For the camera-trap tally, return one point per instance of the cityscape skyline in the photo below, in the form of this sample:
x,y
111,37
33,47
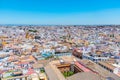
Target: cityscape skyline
x,y
72,39
70,52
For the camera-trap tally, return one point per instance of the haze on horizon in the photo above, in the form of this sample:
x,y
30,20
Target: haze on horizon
x,y
68,12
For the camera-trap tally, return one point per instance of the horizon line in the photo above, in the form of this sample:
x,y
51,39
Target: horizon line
x,y
64,24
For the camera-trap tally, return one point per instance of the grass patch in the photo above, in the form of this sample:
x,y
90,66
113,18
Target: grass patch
x,y
32,30
67,74
8,77
42,70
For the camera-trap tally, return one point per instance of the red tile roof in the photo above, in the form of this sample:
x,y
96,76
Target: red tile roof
x,y
30,71
82,67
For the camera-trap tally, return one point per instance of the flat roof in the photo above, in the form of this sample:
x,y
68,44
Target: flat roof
x,y
53,72
111,67
84,76
101,71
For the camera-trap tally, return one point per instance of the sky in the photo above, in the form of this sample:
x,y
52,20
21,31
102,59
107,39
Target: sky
x,y
64,12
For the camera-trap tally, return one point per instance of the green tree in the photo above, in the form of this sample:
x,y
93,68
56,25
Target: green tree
x,y
67,74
